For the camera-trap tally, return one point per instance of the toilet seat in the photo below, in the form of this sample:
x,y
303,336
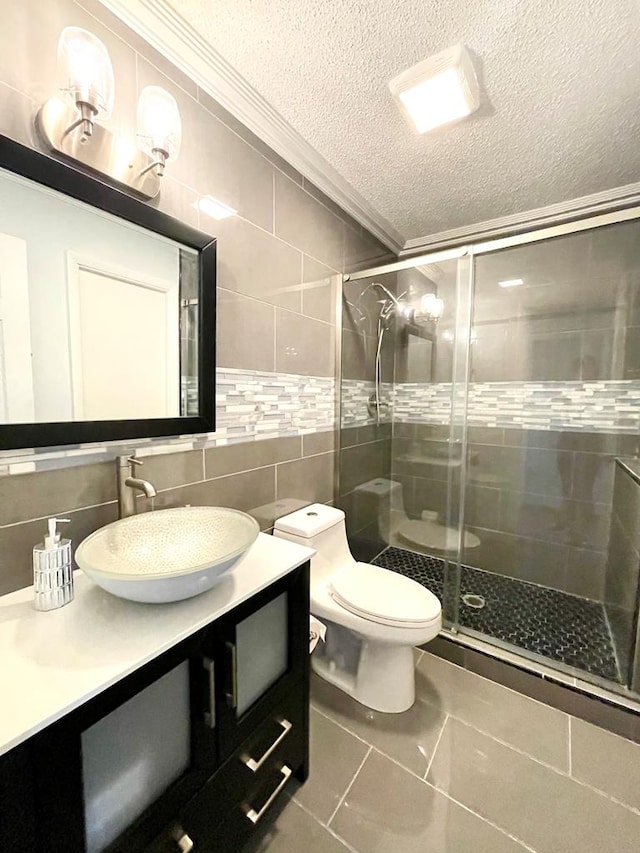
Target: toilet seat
x,y
383,596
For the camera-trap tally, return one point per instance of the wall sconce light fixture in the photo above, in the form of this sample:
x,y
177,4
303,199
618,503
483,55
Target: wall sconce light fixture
x,y
71,125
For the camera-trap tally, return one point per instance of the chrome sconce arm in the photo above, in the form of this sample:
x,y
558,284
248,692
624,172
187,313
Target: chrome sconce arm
x,y
85,120
158,164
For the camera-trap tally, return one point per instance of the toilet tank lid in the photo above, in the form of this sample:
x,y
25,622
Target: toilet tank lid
x,y
310,521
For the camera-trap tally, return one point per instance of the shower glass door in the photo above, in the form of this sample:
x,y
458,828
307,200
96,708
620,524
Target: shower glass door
x,y
553,401
489,449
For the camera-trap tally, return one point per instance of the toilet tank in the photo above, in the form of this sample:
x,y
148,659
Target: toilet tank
x,y
322,528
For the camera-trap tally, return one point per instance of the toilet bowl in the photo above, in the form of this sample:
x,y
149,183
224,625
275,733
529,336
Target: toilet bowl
x,y
374,617
426,534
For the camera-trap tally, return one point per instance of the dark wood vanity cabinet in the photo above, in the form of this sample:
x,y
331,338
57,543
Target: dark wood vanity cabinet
x,y
242,684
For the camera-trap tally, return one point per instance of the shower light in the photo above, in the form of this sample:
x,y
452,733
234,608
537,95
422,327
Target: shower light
x,y
438,90
429,309
214,208
511,282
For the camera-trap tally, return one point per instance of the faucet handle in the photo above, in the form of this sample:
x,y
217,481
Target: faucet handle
x,y
130,462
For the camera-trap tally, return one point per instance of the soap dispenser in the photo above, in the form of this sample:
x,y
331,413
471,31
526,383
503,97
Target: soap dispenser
x,y
52,569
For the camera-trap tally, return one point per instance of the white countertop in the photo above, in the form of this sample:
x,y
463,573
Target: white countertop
x,y
50,663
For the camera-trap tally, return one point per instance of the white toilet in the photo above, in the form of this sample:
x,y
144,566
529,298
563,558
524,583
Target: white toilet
x,y
374,616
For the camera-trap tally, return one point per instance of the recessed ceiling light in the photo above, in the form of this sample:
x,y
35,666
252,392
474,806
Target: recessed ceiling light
x,y
214,208
511,282
438,90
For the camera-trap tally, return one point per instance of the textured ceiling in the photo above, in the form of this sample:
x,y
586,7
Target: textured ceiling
x,y
561,111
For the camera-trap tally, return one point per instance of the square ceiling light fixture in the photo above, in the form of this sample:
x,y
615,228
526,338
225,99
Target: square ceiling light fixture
x,y
438,90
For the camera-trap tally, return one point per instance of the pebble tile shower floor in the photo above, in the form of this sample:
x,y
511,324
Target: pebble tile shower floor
x,y
559,626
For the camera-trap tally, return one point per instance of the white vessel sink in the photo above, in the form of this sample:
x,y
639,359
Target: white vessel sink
x,y
169,554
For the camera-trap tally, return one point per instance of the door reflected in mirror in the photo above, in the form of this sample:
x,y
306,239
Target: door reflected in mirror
x,y
99,318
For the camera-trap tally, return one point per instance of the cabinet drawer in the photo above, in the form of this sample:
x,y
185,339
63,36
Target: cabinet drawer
x,y
243,818
280,738
248,779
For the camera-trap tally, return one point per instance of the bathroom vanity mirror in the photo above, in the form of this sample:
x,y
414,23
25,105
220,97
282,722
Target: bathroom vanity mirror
x,y
107,311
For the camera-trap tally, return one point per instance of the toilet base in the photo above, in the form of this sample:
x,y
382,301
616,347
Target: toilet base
x,y
385,677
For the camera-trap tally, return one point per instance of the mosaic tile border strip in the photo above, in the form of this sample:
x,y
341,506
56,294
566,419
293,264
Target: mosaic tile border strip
x,y
594,406
250,405
253,405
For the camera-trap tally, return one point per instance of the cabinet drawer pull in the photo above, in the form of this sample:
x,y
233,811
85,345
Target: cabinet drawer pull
x,y
255,816
232,693
254,764
210,715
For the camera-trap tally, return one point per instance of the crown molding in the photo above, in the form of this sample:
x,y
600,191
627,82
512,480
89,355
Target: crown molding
x,y
167,31
553,214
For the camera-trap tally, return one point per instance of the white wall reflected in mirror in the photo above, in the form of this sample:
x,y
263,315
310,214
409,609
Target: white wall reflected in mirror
x,y
90,313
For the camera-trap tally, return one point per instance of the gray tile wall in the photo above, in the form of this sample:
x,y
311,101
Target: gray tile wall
x,y
265,478
365,454
276,300
574,319
365,445
552,399
539,501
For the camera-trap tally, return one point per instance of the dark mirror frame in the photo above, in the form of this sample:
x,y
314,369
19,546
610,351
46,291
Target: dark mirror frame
x,y
71,182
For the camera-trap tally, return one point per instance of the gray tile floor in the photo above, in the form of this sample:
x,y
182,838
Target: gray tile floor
x,y
473,767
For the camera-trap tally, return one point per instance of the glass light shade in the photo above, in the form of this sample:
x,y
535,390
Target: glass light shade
x,y
86,71
432,304
159,122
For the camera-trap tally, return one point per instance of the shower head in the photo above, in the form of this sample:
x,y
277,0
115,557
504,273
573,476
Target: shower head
x,y
392,304
387,292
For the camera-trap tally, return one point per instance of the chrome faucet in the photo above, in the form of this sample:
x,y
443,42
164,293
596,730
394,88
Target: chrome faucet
x,y
129,485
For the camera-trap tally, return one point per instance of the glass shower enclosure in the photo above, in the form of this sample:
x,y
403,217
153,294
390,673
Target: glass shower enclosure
x,y
490,434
